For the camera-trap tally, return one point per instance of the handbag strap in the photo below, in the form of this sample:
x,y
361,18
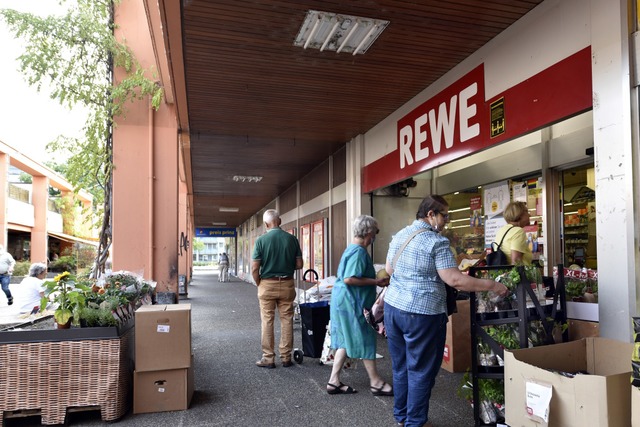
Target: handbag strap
x,y
505,235
404,245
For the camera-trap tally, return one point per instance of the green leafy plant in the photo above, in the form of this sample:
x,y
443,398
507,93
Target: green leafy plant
x,y
574,288
505,335
64,263
21,268
69,295
95,315
491,390
465,389
114,300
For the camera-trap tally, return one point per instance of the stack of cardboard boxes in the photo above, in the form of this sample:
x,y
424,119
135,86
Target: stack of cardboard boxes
x,y
163,376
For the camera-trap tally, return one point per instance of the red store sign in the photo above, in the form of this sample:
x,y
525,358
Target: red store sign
x,y
457,121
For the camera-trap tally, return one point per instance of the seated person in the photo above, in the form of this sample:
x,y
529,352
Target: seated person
x,y
27,294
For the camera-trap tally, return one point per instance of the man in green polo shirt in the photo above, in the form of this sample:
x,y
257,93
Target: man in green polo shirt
x,y
276,255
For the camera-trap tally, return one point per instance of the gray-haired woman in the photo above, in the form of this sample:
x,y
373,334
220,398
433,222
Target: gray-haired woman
x,y
27,294
354,290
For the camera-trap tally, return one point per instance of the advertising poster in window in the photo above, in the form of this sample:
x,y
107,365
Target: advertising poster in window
x,y
305,246
318,247
519,191
475,205
491,229
496,198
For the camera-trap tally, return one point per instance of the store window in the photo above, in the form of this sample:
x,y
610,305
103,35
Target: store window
x,y
579,218
313,245
476,214
465,230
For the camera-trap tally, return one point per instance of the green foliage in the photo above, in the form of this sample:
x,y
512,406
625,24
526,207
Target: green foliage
x,y
25,178
505,335
115,300
21,268
465,389
574,288
69,294
75,54
96,315
202,263
198,245
489,389
64,263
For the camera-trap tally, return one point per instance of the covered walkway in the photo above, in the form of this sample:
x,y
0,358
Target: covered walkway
x,y
232,391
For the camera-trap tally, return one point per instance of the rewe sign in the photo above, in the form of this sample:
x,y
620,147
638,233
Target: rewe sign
x,y
457,121
443,123
443,128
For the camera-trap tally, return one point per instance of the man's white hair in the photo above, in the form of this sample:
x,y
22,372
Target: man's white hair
x,y
270,215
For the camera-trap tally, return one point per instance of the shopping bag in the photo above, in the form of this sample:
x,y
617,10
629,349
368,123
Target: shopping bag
x,y
315,317
375,316
328,353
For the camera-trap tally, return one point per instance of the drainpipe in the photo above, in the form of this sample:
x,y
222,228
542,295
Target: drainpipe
x,y
150,189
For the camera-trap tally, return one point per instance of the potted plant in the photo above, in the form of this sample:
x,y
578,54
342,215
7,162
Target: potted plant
x,y
69,295
113,301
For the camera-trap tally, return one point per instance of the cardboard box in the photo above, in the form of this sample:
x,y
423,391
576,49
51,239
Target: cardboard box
x,y
161,391
600,398
579,329
457,348
163,337
635,406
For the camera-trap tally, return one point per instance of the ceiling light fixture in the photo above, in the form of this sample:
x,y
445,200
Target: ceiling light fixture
x,y
243,178
218,223
339,33
223,209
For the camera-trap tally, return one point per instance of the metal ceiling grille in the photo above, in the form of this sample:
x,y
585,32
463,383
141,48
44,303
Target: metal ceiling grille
x,y
339,33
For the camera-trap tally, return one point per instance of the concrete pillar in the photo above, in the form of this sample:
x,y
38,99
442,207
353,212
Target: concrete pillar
x,y
4,196
613,168
39,238
145,179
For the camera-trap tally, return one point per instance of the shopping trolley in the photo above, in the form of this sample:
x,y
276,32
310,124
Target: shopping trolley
x,y
314,317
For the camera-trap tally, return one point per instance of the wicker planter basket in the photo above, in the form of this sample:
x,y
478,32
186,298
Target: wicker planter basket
x,y
52,376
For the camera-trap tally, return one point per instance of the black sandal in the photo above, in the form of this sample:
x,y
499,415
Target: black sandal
x,y
379,392
337,389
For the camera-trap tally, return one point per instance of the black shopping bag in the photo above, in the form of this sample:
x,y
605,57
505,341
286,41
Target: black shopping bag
x,y
315,317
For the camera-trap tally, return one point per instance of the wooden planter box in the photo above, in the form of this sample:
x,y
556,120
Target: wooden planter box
x,y
52,371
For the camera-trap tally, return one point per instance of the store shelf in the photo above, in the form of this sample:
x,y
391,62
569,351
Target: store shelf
x,y
547,314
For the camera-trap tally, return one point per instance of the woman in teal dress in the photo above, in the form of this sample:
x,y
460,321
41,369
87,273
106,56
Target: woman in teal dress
x,y
354,290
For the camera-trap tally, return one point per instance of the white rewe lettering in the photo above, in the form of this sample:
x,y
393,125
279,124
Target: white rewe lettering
x,y
406,137
467,112
446,121
422,151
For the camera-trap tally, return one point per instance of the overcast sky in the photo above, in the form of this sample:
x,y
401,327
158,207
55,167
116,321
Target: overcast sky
x,y
28,119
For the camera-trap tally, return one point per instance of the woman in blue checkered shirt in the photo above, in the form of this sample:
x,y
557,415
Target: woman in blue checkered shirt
x,y
415,310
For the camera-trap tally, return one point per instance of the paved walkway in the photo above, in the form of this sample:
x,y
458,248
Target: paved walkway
x,y
232,391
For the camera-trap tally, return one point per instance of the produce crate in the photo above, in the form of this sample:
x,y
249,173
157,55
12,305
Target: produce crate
x,y
51,377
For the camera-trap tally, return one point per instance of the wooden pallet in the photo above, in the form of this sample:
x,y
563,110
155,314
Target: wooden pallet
x,y
24,413
51,379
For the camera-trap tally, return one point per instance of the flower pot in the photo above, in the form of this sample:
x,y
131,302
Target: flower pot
x,y
64,325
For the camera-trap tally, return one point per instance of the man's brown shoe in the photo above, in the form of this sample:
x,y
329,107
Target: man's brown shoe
x,y
264,364
287,364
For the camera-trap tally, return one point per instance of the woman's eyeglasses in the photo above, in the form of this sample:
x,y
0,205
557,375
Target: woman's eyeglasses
x,y
444,216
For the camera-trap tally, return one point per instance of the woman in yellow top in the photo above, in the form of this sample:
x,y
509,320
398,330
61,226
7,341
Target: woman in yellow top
x,y
515,245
